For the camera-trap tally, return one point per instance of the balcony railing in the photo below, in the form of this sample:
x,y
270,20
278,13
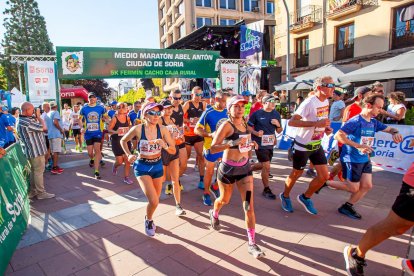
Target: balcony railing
x,y
301,60
305,18
350,6
402,37
346,52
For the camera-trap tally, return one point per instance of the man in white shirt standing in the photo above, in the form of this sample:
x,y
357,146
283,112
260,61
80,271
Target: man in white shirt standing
x,y
337,107
66,111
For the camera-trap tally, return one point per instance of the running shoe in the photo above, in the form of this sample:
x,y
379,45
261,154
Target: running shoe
x,y
91,163
181,186
45,195
102,163
354,266
215,192
77,148
332,157
311,173
128,180
267,193
201,185
206,199
307,204
55,170
408,266
97,175
169,189
286,203
114,169
59,169
349,211
179,211
214,222
80,149
255,251
149,227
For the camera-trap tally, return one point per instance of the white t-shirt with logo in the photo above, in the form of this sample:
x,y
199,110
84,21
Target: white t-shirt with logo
x,y
66,118
74,120
393,108
312,109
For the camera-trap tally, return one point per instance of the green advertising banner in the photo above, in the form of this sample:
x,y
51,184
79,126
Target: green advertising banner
x,y
93,63
14,202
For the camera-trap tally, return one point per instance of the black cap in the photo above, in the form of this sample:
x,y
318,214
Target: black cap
x,y
361,90
91,95
165,103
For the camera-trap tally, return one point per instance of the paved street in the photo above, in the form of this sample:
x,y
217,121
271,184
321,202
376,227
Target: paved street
x,y
96,227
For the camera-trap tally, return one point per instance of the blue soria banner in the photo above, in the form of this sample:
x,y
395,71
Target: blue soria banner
x,y
251,42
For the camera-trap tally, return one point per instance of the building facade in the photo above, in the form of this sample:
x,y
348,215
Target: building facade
x,y
347,32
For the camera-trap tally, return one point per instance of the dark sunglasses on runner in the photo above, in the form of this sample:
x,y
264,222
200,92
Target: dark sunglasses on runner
x,y
154,113
177,98
328,85
199,95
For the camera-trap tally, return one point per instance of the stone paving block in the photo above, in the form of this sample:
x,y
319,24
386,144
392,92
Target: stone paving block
x,y
167,266
33,270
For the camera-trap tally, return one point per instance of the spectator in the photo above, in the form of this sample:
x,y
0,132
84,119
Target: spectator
x,y
7,127
30,128
55,133
258,105
246,95
337,107
299,100
396,109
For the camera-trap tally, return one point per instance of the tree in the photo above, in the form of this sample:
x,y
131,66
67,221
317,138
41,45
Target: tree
x,y
26,34
3,80
99,86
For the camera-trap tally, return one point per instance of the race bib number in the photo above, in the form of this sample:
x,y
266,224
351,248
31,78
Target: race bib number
x,y
245,147
92,126
122,131
367,140
175,132
149,147
193,122
318,134
75,117
268,140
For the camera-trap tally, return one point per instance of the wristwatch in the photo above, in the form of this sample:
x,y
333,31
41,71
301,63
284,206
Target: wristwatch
x,y
395,132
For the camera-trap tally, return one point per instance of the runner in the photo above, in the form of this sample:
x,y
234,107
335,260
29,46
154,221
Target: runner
x,y
148,167
246,95
113,109
119,125
210,121
192,112
263,124
75,126
234,140
357,136
258,104
399,220
170,162
178,116
312,120
93,114
134,116
66,111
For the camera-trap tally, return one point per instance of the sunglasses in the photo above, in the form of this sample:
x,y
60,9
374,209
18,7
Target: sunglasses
x,y
328,85
271,101
199,95
154,113
177,98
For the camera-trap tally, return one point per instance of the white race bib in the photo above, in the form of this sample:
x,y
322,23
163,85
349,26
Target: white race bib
x,y
367,140
245,147
193,122
149,147
268,140
122,131
92,126
175,132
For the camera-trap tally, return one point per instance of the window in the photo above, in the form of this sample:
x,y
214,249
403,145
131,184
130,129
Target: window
x,y
403,27
203,3
228,4
181,8
201,21
170,19
345,41
163,11
164,44
251,5
181,30
226,22
302,52
270,7
170,39
164,29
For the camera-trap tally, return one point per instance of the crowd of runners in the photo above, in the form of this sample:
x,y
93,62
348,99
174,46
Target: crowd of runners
x,y
156,139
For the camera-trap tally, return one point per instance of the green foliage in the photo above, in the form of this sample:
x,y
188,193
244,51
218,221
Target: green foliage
x,y
132,96
409,116
26,34
3,79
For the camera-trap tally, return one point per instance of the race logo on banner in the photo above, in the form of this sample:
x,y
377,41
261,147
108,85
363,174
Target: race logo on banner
x,y
72,63
251,42
41,81
230,77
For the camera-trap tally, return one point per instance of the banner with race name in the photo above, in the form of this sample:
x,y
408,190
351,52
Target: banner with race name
x,y
251,42
95,62
14,202
230,77
41,81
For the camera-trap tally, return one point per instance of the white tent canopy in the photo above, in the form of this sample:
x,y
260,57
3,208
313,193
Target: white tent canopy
x,y
401,66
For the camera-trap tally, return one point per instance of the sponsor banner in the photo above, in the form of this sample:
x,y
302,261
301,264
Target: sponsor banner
x,y
41,81
251,42
250,79
14,202
230,77
94,62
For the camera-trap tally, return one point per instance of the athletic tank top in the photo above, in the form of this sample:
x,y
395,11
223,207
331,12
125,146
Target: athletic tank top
x,y
178,116
149,147
123,128
193,114
175,132
239,134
